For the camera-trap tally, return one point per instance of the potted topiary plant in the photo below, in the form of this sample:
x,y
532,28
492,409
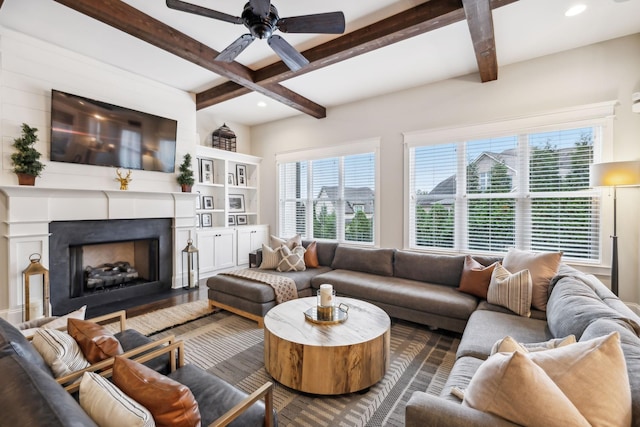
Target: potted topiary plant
x,y
185,177
25,161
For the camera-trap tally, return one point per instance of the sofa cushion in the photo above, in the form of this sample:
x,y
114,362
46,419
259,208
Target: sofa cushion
x,y
430,268
270,257
460,377
542,266
486,327
61,352
215,397
290,242
326,252
292,259
475,277
311,255
109,406
31,397
130,339
512,386
511,290
411,294
95,341
170,402
366,260
13,342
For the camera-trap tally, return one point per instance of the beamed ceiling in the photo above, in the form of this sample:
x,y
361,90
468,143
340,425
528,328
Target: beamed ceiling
x,y
373,26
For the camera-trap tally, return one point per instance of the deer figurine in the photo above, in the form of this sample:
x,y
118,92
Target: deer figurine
x,y
124,181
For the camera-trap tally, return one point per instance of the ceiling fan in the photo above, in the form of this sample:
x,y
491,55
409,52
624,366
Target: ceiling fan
x,y
262,20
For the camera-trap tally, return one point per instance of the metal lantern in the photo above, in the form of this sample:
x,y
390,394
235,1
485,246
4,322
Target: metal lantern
x,y
224,138
190,266
35,269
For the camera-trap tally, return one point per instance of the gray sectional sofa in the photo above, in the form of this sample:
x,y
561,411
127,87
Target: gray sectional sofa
x,y
418,287
421,288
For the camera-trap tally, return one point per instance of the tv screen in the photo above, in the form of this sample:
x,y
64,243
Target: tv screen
x,y
91,132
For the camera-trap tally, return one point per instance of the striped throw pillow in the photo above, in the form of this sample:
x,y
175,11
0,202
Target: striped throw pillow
x,y
61,352
511,290
270,257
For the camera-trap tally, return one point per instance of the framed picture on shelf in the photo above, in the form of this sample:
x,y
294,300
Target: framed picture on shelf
x,y
241,174
236,202
207,220
241,219
207,202
231,179
206,171
198,204
232,220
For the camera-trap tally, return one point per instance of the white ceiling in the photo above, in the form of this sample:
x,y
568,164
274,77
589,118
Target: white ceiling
x,y
523,30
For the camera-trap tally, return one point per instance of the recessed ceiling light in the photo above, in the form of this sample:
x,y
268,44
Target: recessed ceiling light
x,y
262,104
575,10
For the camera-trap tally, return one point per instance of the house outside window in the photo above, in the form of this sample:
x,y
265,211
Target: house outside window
x,y
527,189
332,198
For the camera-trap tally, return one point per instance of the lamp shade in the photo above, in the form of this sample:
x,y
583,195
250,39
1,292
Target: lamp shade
x,y
614,174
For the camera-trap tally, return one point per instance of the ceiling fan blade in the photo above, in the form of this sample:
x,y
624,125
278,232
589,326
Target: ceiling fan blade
x,y
289,55
202,11
260,7
321,23
235,48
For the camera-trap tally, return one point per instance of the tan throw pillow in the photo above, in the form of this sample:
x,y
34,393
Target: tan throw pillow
x,y
509,345
291,242
511,386
60,351
108,406
95,341
542,266
292,260
270,257
512,291
311,256
593,375
170,403
475,277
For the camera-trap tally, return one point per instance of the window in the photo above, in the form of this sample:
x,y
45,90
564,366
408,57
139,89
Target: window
x,y
527,189
329,198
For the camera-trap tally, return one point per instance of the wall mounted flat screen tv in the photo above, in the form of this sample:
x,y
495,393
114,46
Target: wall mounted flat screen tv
x,y
91,132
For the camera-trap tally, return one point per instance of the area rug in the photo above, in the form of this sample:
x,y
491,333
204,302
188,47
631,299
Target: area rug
x,y
165,318
231,347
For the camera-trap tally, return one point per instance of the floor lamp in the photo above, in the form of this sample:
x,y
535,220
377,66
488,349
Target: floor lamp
x,y
615,174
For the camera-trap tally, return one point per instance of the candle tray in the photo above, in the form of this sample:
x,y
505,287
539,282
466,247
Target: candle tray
x,y
339,315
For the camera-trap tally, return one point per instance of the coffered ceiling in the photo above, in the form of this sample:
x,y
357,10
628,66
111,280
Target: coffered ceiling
x,y
387,46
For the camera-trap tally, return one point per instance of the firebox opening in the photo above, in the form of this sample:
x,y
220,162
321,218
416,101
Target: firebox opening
x,y
102,267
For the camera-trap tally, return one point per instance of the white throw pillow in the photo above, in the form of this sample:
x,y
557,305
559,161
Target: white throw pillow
x,y
512,291
542,266
109,406
523,388
58,322
270,257
291,242
60,351
509,345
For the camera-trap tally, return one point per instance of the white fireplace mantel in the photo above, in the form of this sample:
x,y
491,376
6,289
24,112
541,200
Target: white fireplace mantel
x,y
25,214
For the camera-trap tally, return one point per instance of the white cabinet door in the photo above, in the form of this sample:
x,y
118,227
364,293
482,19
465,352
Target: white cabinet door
x,y
224,248
251,239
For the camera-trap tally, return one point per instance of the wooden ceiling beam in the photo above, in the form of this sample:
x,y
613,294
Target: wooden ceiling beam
x,y
130,20
480,22
420,19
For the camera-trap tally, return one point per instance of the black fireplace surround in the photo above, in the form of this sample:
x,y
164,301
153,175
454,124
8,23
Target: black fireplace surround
x,y
65,263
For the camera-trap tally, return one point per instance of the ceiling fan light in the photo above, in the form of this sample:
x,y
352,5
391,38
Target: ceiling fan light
x,y
575,10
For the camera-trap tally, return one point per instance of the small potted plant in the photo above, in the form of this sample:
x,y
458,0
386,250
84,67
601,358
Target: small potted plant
x,y
25,161
185,177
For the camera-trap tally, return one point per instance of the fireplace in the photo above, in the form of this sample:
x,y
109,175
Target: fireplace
x,y
105,261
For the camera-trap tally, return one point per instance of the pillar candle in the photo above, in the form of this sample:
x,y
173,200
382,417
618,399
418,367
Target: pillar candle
x,y
326,294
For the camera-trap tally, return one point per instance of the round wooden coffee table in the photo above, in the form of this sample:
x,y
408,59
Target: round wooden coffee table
x,y
326,359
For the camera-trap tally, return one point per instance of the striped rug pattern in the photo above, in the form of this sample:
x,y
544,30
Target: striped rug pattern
x,y
231,347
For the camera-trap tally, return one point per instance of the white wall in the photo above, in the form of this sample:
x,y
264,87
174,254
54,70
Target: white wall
x,y
603,72
30,68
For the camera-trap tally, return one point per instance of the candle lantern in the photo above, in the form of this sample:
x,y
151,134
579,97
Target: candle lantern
x,y
35,269
224,138
190,266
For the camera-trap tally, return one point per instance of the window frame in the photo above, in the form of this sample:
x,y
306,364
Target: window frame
x,y
600,114
359,147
